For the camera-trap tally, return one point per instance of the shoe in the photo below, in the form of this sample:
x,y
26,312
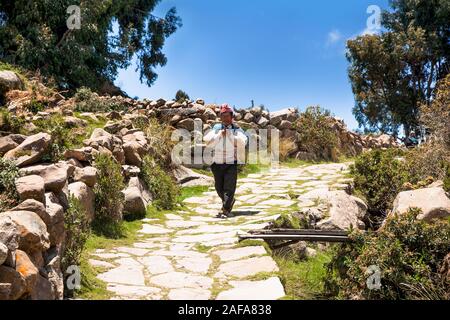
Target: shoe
x,y
228,214
220,214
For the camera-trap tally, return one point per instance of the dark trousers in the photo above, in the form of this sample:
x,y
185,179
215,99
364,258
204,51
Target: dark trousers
x,y
225,177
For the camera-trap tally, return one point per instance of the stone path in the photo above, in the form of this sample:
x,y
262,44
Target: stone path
x,y
193,255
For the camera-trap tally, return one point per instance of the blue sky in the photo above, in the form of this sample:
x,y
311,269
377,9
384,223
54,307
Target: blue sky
x,y
284,53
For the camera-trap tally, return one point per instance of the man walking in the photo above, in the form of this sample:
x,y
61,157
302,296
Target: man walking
x,y
228,142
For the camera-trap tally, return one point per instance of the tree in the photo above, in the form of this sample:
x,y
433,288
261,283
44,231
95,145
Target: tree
x,y
393,73
181,96
34,35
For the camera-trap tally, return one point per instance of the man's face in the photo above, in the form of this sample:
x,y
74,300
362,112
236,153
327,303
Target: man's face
x,y
226,118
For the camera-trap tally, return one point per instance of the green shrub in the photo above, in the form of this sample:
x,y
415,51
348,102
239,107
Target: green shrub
x,y
316,133
88,101
447,178
409,254
108,196
427,160
378,177
63,138
76,224
8,174
34,106
160,142
181,96
10,123
160,184
286,221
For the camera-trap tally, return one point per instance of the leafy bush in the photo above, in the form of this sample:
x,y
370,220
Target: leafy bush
x,y
88,101
316,133
8,174
160,184
63,138
287,147
10,123
160,142
181,96
436,116
447,178
109,198
409,254
286,221
427,160
378,177
77,228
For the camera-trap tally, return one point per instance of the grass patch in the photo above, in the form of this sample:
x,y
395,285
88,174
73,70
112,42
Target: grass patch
x,y
187,192
91,287
202,248
303,280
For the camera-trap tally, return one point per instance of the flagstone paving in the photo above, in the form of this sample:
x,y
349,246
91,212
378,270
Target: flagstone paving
x,y
191,255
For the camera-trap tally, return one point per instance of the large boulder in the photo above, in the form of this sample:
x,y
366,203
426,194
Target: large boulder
x,y
54,175
136,197
9,80
31,187
9,236
87,175
43,290
433,202
135,146
31,150
6,144
85,154
33,235
85,195
188,178
289,114
3,253
15,284
54,219
344,211
187,124
100,138
133,151
27,270
54,272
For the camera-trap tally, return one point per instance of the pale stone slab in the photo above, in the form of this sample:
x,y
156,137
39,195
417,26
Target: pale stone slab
x,y
152,229
101,264
183,224
130,274
247,267
209,229
134,292
239,253
156,264
133,251
175,280
111,255
203,237
270,289
148,245
221,242
278,202
171,216
181,246
196,265
197,200
189,294
179,253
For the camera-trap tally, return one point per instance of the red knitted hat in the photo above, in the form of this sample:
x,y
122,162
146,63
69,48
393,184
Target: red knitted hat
x,y
225,108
